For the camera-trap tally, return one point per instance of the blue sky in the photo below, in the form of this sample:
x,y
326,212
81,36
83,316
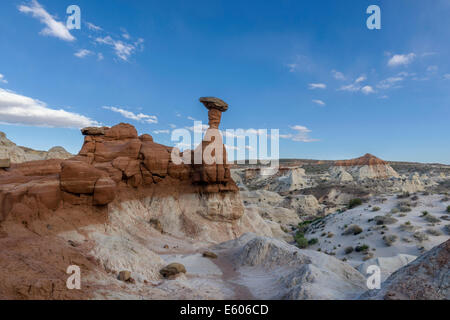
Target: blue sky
x,y
312,69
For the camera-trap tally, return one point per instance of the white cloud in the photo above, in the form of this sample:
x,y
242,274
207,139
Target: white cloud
x,y
161,131
53,27
301,134
83,53
338,75
389,82
401,59
93,27
122,49
367,90
351,88
130,115
100,56
319,102
191,118
2,79
313,86
384,97
22,110
432,68
360,79
172,126
447,76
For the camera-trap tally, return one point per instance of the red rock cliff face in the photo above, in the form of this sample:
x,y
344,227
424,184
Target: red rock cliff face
x,y
113,163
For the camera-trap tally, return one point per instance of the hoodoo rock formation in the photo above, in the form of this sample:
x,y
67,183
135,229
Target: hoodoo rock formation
x,y
116,162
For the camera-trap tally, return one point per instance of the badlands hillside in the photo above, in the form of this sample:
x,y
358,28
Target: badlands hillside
x,y
143,227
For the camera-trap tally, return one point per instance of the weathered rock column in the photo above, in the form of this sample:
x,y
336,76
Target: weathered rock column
x,y
214,169
215,108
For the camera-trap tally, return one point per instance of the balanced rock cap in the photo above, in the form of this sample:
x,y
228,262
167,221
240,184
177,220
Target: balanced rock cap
x,y
214,103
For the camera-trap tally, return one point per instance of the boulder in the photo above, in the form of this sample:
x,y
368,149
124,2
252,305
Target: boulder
x,y
209,254
172,270
93,131
124,276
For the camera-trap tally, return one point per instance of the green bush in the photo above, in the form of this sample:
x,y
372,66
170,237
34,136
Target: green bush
x,y
376,209
362,248
313,241
353,229
448,209
348,250
300,239
354,203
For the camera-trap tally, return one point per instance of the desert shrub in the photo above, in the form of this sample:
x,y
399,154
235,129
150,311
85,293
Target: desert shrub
x,y
313,241
395,210
448,209
407,226
330,235
420,236
390,239
348,250
382,220
434,232
445,199
403,195
353,229
431,219
376,209
368,256
300,239
405,209
414,198
354,203
362,248
424,213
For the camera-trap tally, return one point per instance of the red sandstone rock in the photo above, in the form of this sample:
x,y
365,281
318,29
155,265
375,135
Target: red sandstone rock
x,y
79,177
367,159
121,131
104,191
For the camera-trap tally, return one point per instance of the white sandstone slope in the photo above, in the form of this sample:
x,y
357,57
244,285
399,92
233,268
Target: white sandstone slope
x,y
273,269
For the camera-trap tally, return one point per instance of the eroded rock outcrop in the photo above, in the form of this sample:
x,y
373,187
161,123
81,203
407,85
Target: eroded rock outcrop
x,y
17,154
365,167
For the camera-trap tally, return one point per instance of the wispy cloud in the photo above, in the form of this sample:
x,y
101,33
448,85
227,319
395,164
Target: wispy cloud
x,y
361,79
2,79
83,53
93,27
313,86
161,131
447,76
131,115
53,27
122,49
319,102
338,75
390,82
401,59
301,134
350,87
22,110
